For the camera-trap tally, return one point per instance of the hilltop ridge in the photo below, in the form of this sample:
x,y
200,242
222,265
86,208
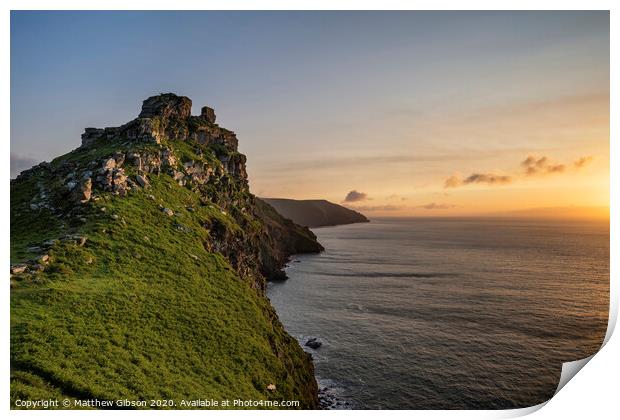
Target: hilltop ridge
x,y
138,269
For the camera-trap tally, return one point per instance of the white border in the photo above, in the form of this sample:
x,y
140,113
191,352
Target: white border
x,y
592,395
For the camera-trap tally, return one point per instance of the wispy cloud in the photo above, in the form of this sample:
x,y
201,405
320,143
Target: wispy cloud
x,y
354,196
437,206
477,178
532,166
541,165
384,207
582,161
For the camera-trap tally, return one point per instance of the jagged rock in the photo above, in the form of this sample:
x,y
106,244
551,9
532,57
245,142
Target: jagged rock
x,y
91,135
84,191
37,267
208,114
119,158
50,243
181,228
78,239
167,105
108,164
313,343
18,268
271,387
142,181
136,160
168,158
178,176
119,181
167,212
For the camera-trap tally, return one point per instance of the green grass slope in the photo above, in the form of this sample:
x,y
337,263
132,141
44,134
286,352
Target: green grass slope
x,y
145,308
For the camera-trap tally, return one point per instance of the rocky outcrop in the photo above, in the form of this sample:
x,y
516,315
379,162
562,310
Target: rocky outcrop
x,y
208,164
208,114
167,116
167,106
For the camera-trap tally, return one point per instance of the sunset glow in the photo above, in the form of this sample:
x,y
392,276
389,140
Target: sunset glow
x,y
325,104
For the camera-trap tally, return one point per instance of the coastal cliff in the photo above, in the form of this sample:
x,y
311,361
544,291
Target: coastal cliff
x,y
138,269
315,213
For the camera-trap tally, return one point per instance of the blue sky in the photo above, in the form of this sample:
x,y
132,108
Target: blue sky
x,y
320,99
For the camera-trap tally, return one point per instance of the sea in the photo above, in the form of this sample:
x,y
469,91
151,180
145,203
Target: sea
x,y
447,313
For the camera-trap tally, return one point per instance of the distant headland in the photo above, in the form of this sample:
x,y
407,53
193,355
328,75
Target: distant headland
x,y
315,213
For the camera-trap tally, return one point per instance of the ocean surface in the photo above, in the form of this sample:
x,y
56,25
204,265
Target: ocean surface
x,y
448,313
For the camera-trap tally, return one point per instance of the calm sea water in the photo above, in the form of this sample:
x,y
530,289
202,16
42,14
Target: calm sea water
x,y
452,314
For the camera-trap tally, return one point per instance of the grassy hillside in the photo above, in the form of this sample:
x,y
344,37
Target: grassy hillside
x,y
137,295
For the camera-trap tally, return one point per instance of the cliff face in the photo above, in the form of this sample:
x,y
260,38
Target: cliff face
x,y
315,213
138,269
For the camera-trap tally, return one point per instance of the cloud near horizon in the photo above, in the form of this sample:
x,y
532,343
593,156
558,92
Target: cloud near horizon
x,y
355,196
532,165
385,207
437,206
477,178
583,161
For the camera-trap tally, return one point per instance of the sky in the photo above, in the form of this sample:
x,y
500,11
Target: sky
x,y
391,113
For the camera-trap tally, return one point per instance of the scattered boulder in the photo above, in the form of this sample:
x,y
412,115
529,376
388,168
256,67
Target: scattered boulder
x,y
108,164
271,387
168,158
18,268
71,185
83,192
142,181
119,158
78,239
313,343
50,243
167,211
